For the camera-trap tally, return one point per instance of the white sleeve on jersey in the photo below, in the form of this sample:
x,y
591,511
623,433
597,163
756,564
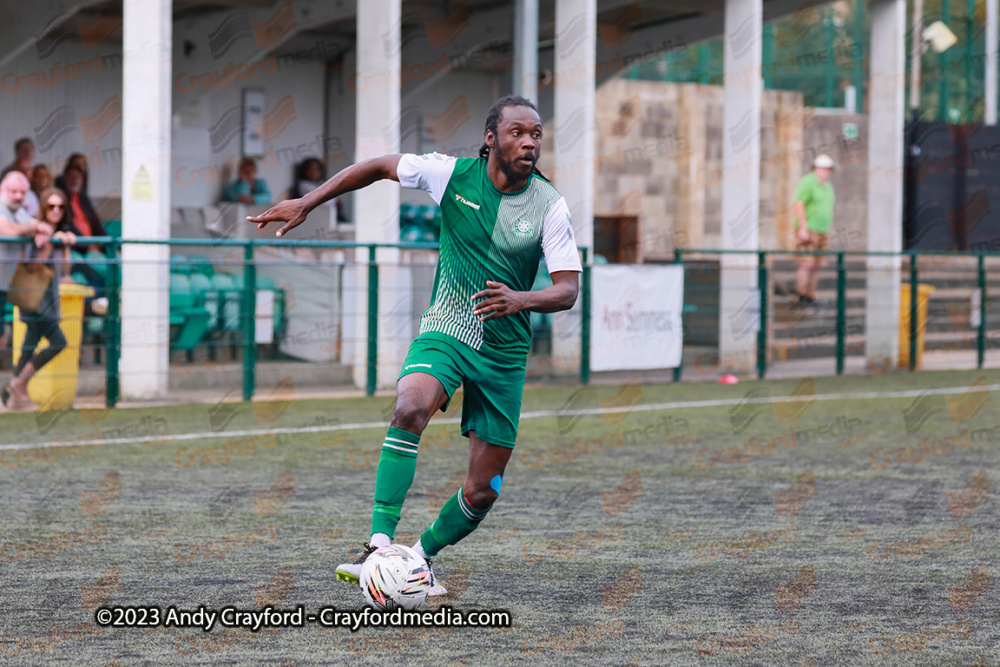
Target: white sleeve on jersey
x,y
558,242
429,172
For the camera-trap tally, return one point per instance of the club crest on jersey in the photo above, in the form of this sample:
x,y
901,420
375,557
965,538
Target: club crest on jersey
x,y
523,226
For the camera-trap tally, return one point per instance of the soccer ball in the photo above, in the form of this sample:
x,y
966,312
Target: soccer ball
x,y
395,577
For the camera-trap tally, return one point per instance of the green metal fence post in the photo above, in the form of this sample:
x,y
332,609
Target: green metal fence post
x,y
841,312
970,71
585,322
914,311
762,332
981,332
859,54
829,73
767,56
249,321
679,369
113,325
372,321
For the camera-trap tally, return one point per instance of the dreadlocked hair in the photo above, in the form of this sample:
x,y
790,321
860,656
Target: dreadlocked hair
x,y
493,117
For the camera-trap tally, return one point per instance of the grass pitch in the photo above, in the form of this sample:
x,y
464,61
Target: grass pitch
x,y
738,531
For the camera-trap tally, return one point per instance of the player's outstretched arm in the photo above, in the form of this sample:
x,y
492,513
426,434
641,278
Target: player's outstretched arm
x,y
293,212
502,301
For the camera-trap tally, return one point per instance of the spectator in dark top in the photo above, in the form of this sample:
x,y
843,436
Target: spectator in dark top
x,y
75,161
41,178
83,222
24,156
309,175
82,216
44,321
247,188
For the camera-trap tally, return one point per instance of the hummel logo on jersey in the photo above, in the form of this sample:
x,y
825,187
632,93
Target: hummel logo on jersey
x,y
465,201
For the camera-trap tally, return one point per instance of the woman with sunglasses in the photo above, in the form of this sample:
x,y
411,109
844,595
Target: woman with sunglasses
x,y
44,322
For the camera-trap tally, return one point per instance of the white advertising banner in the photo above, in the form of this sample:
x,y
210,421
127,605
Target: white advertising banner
x,y
636,317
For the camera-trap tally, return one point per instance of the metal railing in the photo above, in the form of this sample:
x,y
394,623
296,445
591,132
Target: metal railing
x,y
248,286
913,257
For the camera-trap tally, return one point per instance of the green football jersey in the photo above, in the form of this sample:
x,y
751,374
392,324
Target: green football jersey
x,y
487,234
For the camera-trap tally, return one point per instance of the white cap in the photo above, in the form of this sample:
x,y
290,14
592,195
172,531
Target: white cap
x,y
823,160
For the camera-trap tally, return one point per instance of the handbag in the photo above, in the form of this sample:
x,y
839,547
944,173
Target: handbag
x,y
28,285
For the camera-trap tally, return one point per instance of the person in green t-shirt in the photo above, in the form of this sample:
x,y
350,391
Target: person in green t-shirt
x,y
813,219
499,218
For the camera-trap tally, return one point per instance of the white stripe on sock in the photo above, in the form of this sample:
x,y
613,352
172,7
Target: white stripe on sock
x,y
402,449
404,442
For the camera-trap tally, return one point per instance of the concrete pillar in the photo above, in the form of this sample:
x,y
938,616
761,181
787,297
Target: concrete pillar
x,y
573,126
990,87
885,184
739,304
376,208
525,81
146,80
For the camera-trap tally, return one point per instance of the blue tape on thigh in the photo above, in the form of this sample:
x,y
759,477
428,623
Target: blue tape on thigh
x,y
495,483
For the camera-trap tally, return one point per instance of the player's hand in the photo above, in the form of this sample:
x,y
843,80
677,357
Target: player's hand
x,y
803,233
291,212
501,301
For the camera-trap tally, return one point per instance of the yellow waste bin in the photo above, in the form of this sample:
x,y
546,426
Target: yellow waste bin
x,y
54,387
923,294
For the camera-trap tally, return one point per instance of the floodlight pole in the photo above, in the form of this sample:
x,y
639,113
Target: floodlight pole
x,y
915,56
526,49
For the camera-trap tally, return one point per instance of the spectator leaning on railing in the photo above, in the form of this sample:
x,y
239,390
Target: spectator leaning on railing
x,y
43,321
15,221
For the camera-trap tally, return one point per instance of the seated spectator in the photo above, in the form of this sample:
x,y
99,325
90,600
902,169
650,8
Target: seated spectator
x,y
44,321
309,175
24,155
247,188
83,222
41,178
75,161
15,221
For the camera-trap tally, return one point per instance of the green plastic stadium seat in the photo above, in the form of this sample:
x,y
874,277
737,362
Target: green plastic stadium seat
x,y
113,227
407,215
188,312
227,290
201,264
541,323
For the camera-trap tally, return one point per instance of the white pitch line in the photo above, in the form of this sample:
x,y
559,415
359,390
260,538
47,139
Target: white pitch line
x,y
540,414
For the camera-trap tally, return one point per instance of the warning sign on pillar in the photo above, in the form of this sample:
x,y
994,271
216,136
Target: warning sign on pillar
x,y
142,185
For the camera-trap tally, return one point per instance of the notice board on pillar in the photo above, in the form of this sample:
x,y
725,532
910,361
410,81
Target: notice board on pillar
x,y
636,317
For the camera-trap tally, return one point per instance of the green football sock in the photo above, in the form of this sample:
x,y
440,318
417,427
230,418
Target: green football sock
x,y
455,521
396,466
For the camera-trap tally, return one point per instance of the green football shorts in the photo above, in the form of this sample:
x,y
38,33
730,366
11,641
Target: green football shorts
x,y
494,383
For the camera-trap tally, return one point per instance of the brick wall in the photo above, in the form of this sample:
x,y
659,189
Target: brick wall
x,y
659,157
